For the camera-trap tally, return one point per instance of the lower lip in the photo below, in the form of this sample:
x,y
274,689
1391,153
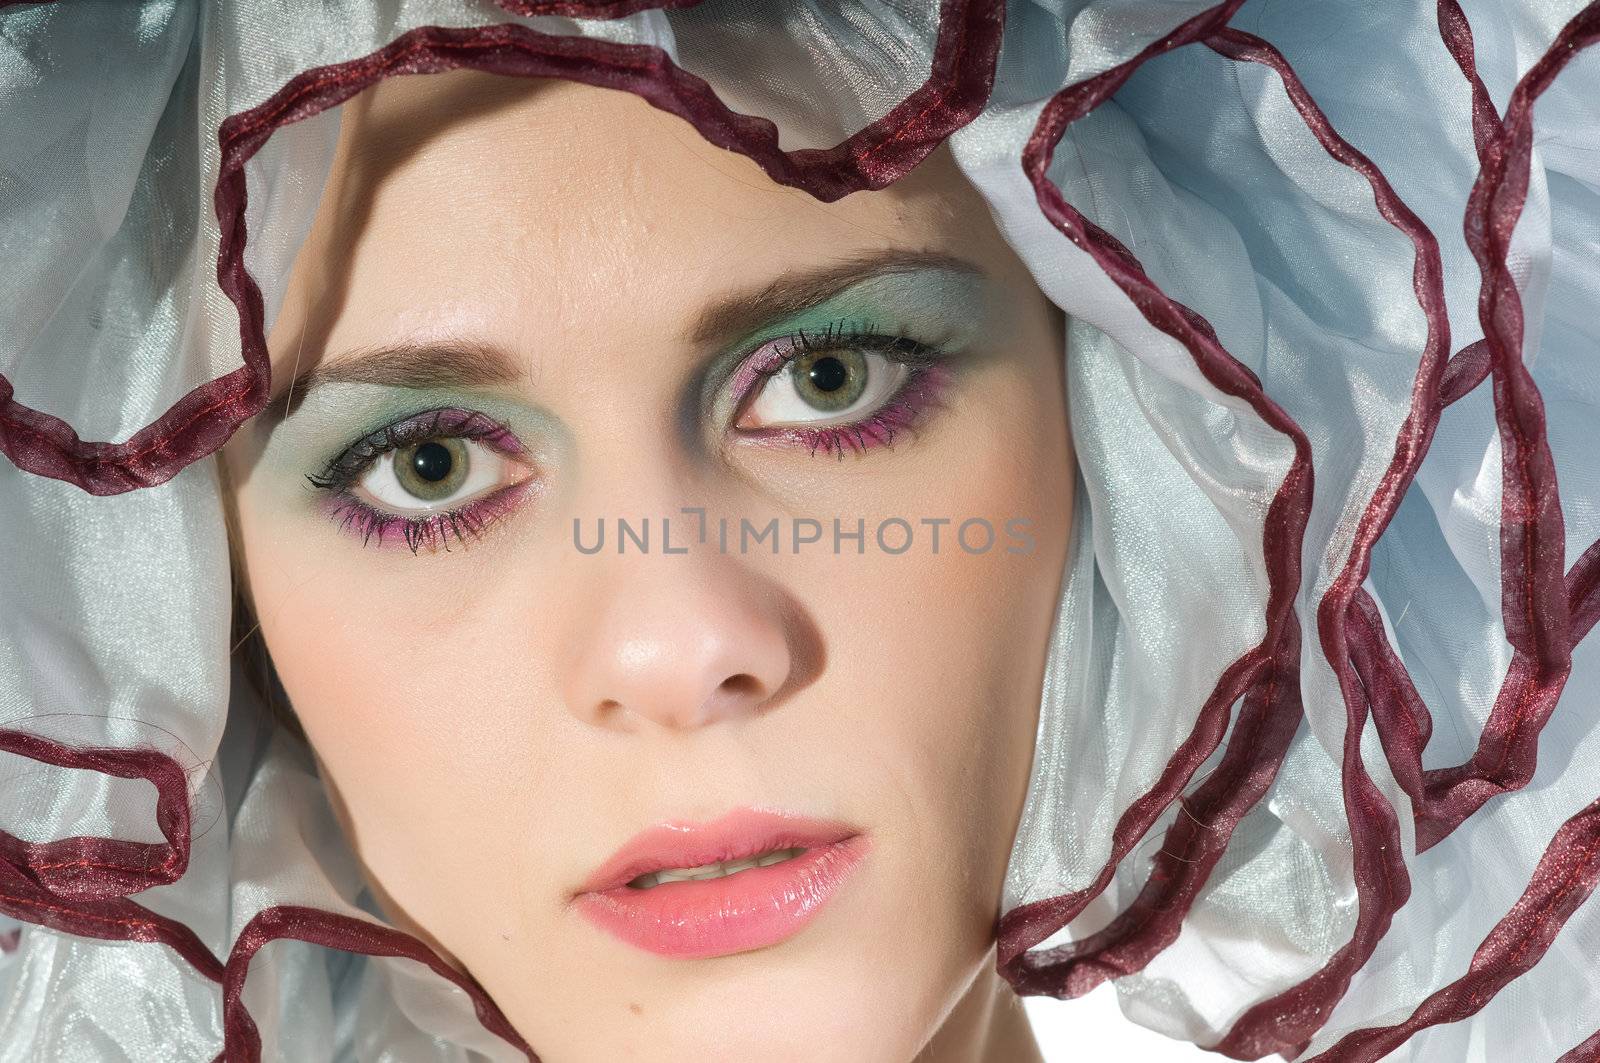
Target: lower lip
x,y
746,910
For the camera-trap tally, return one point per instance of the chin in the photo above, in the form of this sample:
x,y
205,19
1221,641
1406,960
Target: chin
x,y
841,1013
850,998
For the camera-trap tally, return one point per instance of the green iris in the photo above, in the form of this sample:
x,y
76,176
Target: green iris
x,y
433,469
830,381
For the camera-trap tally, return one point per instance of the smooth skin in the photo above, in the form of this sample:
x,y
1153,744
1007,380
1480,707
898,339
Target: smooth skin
x,y
494,720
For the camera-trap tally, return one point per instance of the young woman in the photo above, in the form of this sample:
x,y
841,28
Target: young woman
x,y
767,532
432,543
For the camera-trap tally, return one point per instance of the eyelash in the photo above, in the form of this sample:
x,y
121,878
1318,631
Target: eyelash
x,y
916,394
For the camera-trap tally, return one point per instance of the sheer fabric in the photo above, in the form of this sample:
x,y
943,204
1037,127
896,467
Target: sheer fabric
x,y
1317,757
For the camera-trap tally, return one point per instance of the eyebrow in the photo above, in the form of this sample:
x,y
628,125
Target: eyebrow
x,y
462,364
734,316
449,364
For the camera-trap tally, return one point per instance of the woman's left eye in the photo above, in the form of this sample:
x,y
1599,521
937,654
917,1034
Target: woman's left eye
x,y
432,475
824,387
846,388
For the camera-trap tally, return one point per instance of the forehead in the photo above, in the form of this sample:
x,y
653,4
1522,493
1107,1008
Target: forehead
x,y
549,144
475,201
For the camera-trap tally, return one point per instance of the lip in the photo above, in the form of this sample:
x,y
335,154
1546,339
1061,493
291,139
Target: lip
x,y
748,909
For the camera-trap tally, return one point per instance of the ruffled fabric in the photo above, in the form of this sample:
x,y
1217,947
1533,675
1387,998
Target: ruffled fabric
x,y
1316,764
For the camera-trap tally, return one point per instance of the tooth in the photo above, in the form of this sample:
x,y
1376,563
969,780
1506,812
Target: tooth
x,y
706,872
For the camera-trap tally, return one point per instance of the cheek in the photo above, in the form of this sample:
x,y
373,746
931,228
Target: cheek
x,y
403,689
428,729
939,658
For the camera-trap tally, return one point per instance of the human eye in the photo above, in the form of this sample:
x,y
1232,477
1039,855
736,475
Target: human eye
x,y
421,480
845,387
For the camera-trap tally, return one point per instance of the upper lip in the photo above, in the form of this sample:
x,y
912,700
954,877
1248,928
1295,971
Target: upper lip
x,y
742,833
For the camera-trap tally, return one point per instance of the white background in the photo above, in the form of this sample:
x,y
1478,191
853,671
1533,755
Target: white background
x,y
1091,1028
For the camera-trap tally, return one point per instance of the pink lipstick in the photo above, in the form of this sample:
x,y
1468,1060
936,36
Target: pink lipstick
x,y
748,880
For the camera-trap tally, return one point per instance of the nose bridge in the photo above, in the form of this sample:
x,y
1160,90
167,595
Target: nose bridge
x,y
679,635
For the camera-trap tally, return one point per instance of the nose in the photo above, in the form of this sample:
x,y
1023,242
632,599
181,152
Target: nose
x,y
678,642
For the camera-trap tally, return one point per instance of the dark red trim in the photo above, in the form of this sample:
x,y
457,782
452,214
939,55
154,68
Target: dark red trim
x,y
1456,32
1504,760
93,868
1026,925
1370,674
1284,1022
1587,1052
589,8
1540,625
1195,842
1564,879
1540,603
1470,366
242,1039
1506,756
1504,955
957,88
1465,371
81,885
1191,847
108,919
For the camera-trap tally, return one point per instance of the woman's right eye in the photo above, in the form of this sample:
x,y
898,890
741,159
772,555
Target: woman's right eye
x,y
446,473
434,475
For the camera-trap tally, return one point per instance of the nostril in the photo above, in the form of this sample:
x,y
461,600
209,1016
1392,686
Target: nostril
x,y
734,695
742,686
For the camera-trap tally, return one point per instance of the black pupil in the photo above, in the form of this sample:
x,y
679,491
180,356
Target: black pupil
x,y
432,462
828,374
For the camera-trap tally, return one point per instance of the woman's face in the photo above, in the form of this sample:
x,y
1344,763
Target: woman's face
x,y
529,311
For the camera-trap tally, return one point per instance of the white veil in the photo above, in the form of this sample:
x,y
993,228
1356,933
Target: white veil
x,y
1317,758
